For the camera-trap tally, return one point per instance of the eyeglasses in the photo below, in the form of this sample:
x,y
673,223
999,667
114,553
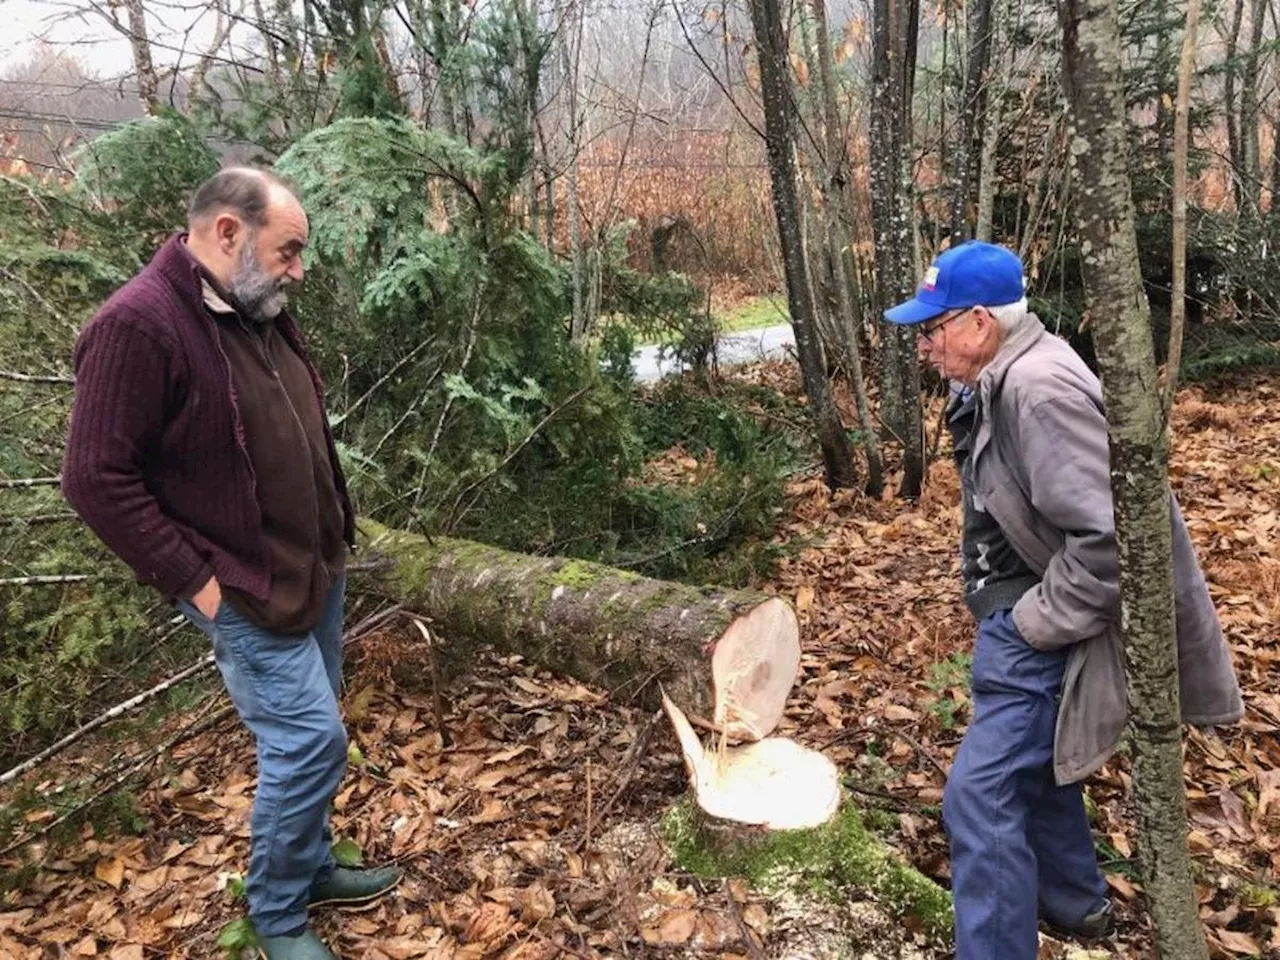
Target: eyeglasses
x,y
927,332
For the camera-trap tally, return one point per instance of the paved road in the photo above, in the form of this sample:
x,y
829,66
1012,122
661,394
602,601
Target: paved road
x,y
745,346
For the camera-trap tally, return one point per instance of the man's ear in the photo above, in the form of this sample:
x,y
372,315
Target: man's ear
x,y
227,230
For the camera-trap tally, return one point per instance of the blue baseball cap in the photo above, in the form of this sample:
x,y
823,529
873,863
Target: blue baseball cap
x,y
972,274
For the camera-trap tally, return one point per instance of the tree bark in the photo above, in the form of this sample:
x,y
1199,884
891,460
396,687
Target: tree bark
x,y
1178,296
972,109
992,115
1250,151
1232,113
603,626
893,67
779,106
570,20
836,164
1139,443
148,82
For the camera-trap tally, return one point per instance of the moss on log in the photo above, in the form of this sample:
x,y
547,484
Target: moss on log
x,y
830,861
604,626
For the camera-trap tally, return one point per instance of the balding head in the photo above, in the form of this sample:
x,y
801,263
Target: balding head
x,y
247,228
247,192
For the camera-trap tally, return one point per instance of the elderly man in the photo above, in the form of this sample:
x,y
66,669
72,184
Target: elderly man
x,y
199,452
1040,578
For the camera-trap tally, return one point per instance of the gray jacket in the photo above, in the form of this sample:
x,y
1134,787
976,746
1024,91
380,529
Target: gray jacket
x,y
1040,466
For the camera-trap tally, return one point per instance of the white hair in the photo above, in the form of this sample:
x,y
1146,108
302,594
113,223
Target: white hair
x,y
1010,316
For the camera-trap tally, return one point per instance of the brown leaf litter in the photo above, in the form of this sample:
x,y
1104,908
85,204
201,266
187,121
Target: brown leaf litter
x,y
501,824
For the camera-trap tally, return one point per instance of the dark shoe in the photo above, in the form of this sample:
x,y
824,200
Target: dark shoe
x,y
1099,925
305,946
354,888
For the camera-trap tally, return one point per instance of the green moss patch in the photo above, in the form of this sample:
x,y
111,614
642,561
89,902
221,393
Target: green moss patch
x,y
829,861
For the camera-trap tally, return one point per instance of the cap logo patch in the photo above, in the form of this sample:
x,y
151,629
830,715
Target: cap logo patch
x,y
930,278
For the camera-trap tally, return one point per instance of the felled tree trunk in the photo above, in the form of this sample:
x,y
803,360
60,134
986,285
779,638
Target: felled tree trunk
x,y
757,804
608,627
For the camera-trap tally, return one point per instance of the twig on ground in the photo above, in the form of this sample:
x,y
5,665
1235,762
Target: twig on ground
x,y
37,519
128,706
34,377
748,935
920,748
46,580
626,770
30,482
118,710
561,946
437,702
132,769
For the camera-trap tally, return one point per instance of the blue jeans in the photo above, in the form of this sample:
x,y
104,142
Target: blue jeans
x,y
1020,844
286,690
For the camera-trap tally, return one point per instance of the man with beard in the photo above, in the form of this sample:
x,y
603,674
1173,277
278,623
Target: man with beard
x,y
199,452
1040,570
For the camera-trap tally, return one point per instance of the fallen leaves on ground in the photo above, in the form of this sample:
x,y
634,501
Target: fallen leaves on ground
x,y
495,818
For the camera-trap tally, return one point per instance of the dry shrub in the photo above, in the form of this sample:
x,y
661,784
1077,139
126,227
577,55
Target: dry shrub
x,y
1200,415
708,192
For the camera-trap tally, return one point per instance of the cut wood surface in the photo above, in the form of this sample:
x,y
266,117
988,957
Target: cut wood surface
x,y
774,783
612,628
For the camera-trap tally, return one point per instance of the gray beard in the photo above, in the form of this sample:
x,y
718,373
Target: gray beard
x,y
255,291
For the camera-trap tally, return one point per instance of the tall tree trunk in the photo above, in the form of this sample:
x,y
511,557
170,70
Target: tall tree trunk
x,y
1250,158
221,31
971,112
1139,443
1001,18
1181,136
1275,122
893,69
1232,111
775,85
444,43
570,51
148,82
835,200
987,169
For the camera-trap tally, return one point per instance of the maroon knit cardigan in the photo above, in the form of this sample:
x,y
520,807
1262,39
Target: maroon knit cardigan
x,y
156,462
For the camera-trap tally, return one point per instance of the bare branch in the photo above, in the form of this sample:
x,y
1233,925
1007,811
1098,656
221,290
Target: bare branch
x,y
118,710
34,377
37,519
45,580
30,482
711,72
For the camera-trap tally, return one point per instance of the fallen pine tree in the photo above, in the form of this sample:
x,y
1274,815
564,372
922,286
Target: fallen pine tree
x,y
629,634
763,807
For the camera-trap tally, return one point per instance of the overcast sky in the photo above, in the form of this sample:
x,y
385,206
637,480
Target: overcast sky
x,y
73,26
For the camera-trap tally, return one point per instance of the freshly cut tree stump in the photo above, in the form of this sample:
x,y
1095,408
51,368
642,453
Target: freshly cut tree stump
x,y
773,784
773,811
742,795
607,627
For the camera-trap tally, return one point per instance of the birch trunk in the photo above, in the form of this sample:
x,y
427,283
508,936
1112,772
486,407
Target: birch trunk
x,y
148,82
1139,443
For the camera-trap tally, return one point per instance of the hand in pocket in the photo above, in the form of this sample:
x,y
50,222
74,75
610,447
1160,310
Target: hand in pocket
x,y
208,599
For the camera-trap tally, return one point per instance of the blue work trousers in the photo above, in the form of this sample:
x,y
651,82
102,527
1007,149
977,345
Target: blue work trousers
x,y
286,690
1020,843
